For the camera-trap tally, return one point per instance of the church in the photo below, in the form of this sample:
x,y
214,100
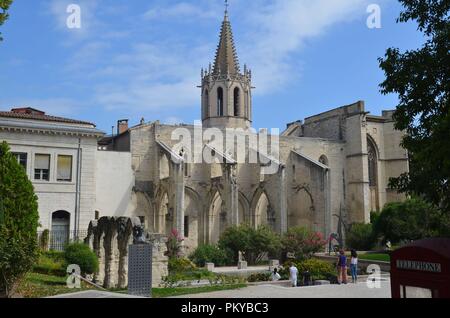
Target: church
x,y
326,172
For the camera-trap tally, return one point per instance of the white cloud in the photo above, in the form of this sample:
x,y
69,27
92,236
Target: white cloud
x,y
149,75
180,10
52,106
278,30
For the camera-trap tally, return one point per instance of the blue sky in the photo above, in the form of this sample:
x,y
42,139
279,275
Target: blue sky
x,y
142,58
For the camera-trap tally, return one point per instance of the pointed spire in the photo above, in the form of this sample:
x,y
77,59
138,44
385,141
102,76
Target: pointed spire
x,y
226,60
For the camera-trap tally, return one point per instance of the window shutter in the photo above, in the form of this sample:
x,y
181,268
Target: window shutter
x,y
42,162
64,168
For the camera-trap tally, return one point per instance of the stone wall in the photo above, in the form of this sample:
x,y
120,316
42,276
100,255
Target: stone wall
x,y
110,238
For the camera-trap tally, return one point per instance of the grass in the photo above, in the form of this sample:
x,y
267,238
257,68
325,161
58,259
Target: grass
x,y
36,285
375,257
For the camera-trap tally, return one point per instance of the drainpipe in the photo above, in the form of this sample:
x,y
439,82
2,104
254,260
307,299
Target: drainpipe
x,y
78,188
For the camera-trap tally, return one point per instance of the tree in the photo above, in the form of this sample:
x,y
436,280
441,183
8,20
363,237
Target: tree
x,y
360,237
253,243
302,242
4,6
411,220
18,223
421,78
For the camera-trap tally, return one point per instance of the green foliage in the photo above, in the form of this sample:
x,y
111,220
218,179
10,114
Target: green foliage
x,y
260,277
44,240
360,237
253,243
51,263
302,242
4,6
18,223
421,79
208,254
174,245
178,265
413,219
80,254
319,270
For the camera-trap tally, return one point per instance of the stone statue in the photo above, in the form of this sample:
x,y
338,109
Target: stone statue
x,y
139,235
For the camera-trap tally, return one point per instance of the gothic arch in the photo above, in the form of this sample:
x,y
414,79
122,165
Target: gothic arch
x,y
373,159
220,101
193,212
262,209
244,209
237,102
206,103
164,213
216,217
324,160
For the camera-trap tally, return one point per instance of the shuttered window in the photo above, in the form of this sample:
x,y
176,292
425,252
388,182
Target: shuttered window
x,y
64,170
42,167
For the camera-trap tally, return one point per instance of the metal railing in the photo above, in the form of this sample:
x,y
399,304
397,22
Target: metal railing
x,y
57,240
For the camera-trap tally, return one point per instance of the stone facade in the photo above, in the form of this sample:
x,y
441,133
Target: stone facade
x,y
66,198
332,167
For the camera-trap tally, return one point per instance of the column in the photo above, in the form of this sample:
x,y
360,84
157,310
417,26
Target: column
x,y
179,198
283,200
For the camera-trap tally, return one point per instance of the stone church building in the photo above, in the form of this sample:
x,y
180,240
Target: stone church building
x,y
331,167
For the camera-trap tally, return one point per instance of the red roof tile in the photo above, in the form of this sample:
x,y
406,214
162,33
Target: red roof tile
x,y
34,114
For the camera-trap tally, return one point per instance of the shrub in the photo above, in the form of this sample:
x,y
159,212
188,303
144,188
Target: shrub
x,y
413,219
209,254
81,255
360,237
260,277
302,242
180,265
253,243
174,248
51,263
319,270
19,220
44,240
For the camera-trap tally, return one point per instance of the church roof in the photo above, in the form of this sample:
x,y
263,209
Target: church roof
x,y
226,60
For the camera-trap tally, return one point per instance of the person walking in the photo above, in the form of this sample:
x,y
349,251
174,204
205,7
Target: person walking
x,y
275,275
342,268
293,271
354,266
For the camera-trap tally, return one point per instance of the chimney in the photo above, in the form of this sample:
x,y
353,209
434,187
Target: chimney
x,y
122,126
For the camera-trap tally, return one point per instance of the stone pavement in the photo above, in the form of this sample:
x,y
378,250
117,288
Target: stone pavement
x,y
359,290
94,294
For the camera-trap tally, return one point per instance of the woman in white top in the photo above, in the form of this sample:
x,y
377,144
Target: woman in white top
x,y
275,275
354,266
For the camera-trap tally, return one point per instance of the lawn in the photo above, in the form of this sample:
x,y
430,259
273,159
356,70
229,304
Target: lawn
x,y
375,257
40,285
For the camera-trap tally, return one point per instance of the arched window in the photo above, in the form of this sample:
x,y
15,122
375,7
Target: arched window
x,y
220,102
373,174
206,105
323,160
60,230
373,163
236,101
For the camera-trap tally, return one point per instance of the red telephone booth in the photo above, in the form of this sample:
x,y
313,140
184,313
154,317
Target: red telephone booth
x,y
421,270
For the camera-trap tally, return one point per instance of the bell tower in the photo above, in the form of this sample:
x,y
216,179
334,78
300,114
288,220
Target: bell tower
x,y
226,92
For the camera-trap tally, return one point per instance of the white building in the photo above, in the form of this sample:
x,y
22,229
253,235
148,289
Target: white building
x,y
58,155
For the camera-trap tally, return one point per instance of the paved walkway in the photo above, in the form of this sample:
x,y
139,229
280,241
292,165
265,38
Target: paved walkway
x,y
94,294
359,290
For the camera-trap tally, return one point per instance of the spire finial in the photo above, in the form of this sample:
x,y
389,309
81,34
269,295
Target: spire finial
x,y
226,8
